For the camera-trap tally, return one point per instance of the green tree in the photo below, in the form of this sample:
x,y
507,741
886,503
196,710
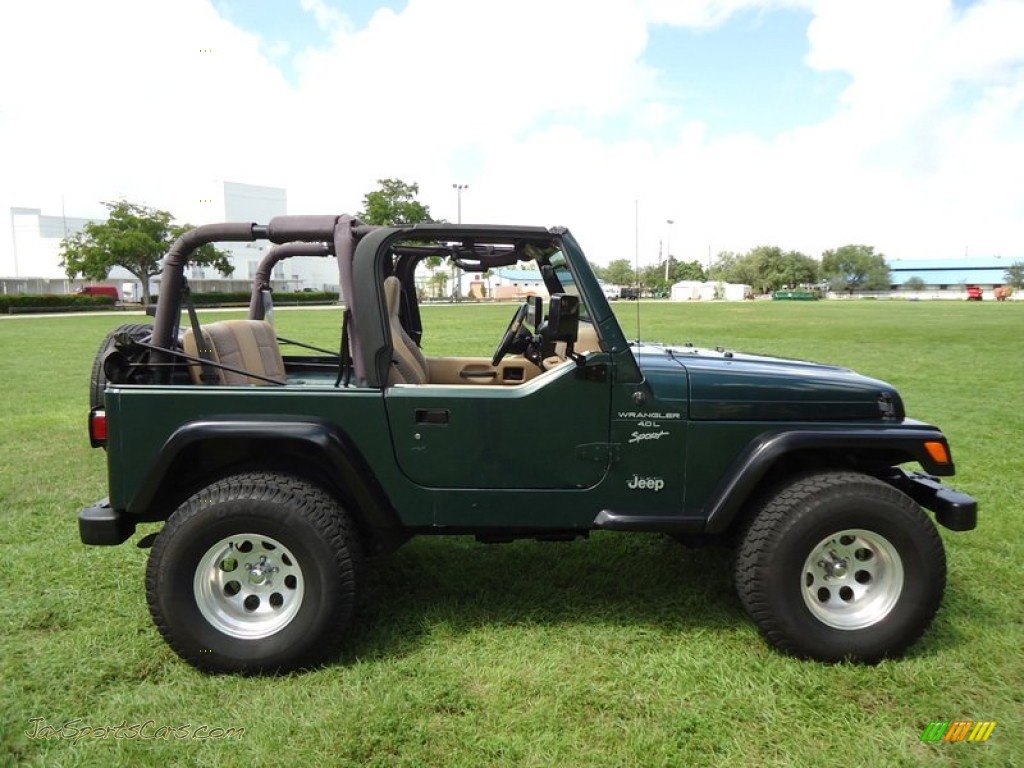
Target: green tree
x,y
394,203
134,237
724,263
774,268
767,268
687,270
855,267
914,283
768,262
652,279
799,269
1015,274
620,272
439,282
732,267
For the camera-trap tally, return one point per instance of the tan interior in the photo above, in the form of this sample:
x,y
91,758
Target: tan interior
x,y
586,341
250,345
514,369
408,365
411,366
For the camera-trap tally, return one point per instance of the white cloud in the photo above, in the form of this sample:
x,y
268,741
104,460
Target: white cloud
x,y
327,18
708,13
149,101
546,109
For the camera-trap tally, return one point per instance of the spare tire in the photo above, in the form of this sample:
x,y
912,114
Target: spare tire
x,y
98,380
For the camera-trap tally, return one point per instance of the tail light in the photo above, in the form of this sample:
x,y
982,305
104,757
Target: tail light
x,y
98,428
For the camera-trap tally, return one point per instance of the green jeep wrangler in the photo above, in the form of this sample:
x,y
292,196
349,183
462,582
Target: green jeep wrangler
x,y
276,476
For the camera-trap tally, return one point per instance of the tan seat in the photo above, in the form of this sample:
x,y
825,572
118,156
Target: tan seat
x,y
250,345
586,341
408,364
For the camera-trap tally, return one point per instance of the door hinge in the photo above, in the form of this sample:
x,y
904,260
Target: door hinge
x,y
601,453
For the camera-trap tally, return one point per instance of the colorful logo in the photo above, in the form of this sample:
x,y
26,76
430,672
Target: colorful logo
x,y
958,730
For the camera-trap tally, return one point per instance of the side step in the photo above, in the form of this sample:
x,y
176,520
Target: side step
x,y
645,522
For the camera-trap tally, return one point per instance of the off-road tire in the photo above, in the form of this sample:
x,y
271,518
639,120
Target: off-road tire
x,y
840,565
98,379
256,573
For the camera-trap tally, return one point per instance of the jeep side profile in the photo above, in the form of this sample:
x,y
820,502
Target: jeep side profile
x,y
277,477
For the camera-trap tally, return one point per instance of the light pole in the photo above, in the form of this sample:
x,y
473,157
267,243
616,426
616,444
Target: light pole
x,y
458,191
668,247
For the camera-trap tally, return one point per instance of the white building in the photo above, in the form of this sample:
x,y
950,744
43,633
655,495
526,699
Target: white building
x,y
946,278
32,265
698,290
259,204
514,283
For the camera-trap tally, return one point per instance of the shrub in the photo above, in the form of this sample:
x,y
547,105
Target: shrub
x,y
280,297
55,301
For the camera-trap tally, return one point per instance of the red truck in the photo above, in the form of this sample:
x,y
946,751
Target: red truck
x,y
99,290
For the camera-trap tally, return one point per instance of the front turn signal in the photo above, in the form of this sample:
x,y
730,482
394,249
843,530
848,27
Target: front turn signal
x,y
938,450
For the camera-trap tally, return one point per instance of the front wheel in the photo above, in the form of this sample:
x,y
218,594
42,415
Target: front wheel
x,y
255,573
840,565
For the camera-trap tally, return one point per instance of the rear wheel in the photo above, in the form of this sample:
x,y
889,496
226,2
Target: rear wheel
x,y
840,565
258,572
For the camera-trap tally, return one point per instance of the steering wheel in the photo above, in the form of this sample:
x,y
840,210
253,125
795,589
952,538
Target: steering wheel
x,y
514,327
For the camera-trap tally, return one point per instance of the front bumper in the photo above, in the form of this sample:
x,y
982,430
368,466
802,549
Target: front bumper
x,y
954,510
102,524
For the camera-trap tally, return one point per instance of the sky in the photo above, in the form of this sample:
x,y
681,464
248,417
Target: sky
x,y
807,124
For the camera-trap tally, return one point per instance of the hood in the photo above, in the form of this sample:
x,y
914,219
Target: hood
x,y
726,385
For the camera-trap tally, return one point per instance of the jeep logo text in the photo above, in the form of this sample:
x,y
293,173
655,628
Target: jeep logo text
x,y
645,483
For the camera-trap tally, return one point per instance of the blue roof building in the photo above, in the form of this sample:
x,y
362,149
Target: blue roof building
x,y
948,273
513,275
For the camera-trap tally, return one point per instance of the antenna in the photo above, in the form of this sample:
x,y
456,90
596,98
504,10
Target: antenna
x,y
636,262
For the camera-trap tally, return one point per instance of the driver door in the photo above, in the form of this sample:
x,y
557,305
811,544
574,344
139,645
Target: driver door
x,y
550,432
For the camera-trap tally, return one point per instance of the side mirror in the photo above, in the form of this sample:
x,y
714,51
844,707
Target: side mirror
x,y
563,319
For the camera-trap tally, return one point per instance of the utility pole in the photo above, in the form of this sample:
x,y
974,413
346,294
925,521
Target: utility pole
x,y
458,193
668,247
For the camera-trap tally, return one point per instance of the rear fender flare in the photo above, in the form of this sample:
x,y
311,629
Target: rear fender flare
x,y
348,469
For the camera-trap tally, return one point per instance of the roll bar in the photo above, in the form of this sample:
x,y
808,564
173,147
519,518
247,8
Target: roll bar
x,y
311,231
279,253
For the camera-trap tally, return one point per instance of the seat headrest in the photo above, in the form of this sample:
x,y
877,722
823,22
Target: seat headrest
x,y
392,287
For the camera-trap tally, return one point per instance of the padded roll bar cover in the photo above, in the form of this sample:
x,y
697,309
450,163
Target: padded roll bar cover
x,y
263,271
283,229
281,252
344,251
182,248
167,310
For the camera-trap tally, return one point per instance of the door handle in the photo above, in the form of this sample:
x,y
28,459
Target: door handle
x,y
431,416
465,373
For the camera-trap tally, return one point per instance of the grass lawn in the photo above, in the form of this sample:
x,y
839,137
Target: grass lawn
x,y
615,651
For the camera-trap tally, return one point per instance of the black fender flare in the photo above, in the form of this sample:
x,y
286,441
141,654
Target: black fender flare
x,y
751,467
347,467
